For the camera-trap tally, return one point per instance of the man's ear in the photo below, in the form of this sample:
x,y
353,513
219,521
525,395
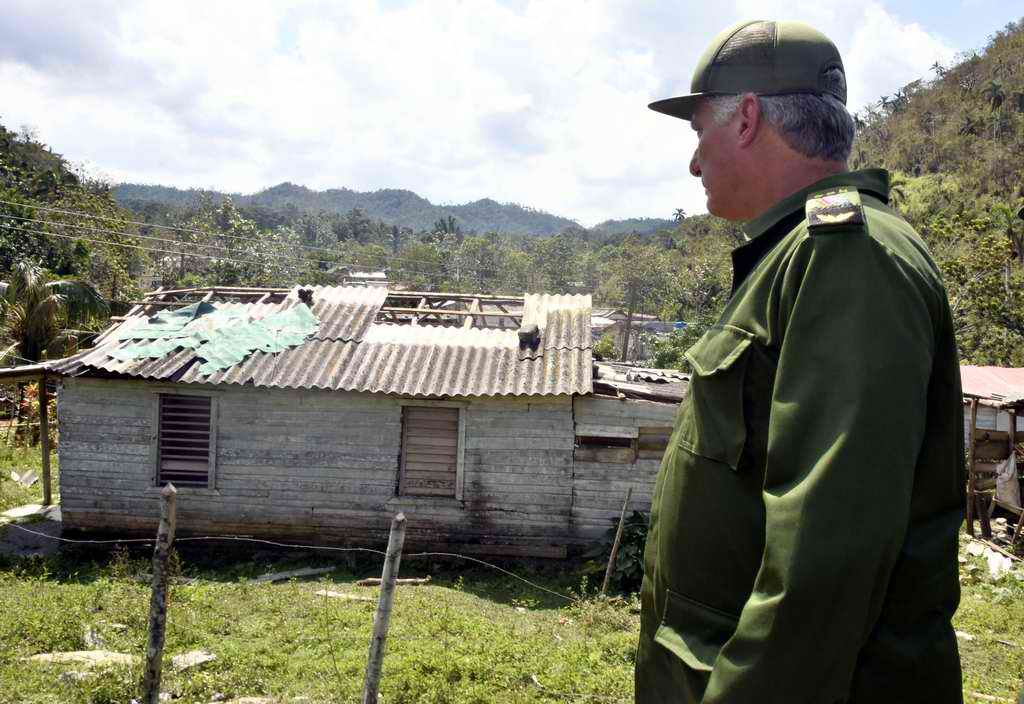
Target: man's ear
x,y
749,123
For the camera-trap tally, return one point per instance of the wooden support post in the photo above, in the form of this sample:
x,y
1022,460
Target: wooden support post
x,y
970,466
1013,461
44,440
382,618
615,545
158,600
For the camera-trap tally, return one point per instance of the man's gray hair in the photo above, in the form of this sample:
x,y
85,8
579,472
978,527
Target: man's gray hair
x,y
815,126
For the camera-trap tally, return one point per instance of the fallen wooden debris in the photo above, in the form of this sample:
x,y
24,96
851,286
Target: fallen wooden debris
x,y
86,658
410,582
343,596
988,697
999,549
26,478
1006,642
193,658
304,572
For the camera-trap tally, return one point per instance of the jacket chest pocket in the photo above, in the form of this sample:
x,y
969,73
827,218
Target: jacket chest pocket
x,y
711,422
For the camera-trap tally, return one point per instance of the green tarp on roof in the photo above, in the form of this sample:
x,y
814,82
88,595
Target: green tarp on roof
x,y
222,337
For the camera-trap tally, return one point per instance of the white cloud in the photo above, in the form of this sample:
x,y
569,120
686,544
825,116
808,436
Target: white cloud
x,y
539,103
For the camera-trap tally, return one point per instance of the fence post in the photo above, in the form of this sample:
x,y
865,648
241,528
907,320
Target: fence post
x,y
383,616
615,545
158,600
44,439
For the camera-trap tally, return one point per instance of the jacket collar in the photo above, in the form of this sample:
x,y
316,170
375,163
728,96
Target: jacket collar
x,y
872,181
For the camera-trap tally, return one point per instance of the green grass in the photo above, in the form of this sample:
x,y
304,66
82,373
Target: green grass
x,y
991,611
471,636
21,458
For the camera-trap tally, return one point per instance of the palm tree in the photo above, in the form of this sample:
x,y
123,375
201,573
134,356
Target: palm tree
x,y
1005,218
35,312
995,94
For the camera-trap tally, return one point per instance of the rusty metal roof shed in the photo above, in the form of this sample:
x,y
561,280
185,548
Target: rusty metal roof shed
x,y
354,351
1002,387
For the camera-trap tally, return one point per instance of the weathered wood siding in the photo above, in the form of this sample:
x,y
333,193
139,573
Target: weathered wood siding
x,y
321,464
990,419
600,487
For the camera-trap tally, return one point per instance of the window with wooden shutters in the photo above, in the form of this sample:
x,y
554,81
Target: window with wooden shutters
x,y
652,442
430,451
185,450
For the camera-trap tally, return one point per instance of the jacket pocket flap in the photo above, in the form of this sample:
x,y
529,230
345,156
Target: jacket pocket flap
x,y
718,349
693,632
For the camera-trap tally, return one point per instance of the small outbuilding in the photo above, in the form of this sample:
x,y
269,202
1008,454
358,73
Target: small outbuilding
x,y
320,412
993,430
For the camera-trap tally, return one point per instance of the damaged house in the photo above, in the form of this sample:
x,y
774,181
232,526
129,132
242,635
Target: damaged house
x,y
320,412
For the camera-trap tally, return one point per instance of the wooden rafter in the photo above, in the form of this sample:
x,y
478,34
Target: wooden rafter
x,y
469,309
474,307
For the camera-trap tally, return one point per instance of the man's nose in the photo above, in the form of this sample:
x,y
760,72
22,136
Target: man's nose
x,y
694,166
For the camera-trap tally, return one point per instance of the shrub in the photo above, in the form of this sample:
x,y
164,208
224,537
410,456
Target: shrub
x,y
628,570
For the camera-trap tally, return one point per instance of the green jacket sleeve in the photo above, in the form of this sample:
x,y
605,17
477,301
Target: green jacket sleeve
x,y
846,426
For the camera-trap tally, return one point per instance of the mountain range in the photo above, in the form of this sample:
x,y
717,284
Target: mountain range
x,y
391,205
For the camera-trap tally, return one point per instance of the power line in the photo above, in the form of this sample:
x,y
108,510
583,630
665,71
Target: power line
x,y
206,256
191,231
169,241
122,221
134,246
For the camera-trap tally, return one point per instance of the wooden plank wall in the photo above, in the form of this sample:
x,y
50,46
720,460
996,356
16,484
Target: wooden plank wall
x,y
600,487
991,419
321,464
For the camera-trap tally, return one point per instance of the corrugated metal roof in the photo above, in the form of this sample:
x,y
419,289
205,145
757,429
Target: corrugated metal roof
x,y
353,353
1005,385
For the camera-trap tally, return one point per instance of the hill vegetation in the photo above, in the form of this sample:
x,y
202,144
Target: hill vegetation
x,y
390,205
954,142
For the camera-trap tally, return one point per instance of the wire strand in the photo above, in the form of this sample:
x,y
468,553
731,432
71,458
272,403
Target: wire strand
x,y
170,241
329,548
492,566
439,265
205,256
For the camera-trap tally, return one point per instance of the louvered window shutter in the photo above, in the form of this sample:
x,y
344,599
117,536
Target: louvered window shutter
x,y
430,451
186,426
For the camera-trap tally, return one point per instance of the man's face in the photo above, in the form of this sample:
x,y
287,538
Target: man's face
x,y
714,162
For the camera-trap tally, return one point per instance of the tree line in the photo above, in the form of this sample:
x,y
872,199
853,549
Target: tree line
x,y
954,142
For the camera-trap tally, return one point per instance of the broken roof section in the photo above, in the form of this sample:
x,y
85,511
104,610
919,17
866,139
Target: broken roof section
x,y
629,381
221,336
444,346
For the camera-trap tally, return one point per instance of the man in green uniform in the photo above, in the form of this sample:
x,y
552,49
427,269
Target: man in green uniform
x,y
803,538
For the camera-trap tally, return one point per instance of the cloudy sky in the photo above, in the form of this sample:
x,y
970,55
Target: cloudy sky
x,y
535,102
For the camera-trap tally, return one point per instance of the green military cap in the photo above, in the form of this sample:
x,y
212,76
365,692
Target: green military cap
x,y
767,58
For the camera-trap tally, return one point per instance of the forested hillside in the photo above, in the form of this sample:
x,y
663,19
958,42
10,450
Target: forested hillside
x,y
33,177
389,205
954,141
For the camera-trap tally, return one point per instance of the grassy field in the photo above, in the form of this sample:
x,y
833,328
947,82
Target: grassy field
x,y
473,635
20,458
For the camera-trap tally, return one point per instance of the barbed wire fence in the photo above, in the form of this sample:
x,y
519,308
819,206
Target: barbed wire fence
x,y
160,618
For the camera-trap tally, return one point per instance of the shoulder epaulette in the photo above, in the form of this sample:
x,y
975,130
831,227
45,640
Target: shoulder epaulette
x,y
836,208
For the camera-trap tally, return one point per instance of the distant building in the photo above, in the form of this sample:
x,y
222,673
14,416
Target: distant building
x,y
367,278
